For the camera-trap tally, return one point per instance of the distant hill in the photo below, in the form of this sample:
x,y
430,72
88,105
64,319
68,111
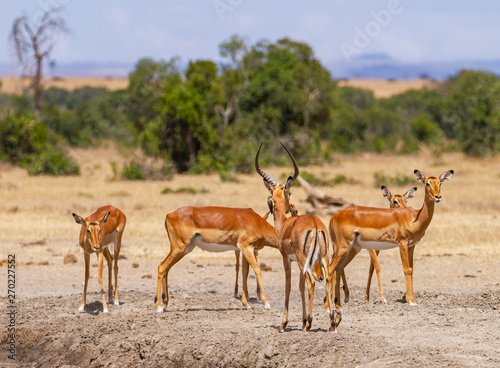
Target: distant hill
x,y
382,66
372,66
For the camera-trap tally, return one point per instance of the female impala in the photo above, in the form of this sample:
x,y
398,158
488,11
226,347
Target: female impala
x,y
215,229
359,227
302,239
99,230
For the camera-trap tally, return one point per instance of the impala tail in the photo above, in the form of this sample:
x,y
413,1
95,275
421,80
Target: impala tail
x,y
313,245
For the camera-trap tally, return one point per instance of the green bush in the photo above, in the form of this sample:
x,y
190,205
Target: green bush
x,y
398,181
31,145
133,171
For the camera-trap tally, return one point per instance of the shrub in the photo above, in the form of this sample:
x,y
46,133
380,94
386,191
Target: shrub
x,y
399,180
31,145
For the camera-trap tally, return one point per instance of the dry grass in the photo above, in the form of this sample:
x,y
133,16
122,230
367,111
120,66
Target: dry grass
x,y
380,87
16,85
36,208
386,88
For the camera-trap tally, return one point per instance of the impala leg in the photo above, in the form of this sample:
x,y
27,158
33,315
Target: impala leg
x,y
117,253
310,288
99,270
339,263
248,253
410,263
244,276
173,257
258,291
87,274
377,269
288,287
302,281
403,250
345,287
237,268
109,261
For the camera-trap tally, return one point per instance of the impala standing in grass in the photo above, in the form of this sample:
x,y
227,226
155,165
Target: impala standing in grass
x,y
357,227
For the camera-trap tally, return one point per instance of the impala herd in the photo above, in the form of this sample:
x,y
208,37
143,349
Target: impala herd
x,y
300,238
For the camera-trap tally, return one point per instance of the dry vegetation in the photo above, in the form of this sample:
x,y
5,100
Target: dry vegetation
x,y
17,86
380,87
455,266
383,88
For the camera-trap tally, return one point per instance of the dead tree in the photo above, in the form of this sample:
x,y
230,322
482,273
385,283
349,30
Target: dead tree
x,y
33,41
322,203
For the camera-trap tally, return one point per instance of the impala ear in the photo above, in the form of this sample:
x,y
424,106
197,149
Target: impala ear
x,y
105,218
410,193
420,176
79,220
270,204
289,182
386,192
446,176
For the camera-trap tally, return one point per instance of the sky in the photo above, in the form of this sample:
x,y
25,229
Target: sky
x,y
122,31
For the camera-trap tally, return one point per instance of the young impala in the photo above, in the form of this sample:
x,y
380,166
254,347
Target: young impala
x,y
303,239
215,229
98,231
357,228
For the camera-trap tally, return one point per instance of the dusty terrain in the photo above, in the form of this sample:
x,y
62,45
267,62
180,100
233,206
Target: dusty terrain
x,y
380,87
456,275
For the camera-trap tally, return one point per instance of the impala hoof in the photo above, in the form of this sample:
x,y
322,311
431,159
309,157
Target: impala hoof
x,y
81,309
159,310
413,304
117,303
267,306
384,301
105,311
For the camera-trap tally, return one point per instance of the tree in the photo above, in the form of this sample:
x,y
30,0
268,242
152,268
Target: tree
x,y
472,111
34,42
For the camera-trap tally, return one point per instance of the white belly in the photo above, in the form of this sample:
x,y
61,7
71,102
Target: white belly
x,y
209,247
375,245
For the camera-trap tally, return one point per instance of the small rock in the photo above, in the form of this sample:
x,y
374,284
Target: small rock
x,y
148,276
135,265
70,258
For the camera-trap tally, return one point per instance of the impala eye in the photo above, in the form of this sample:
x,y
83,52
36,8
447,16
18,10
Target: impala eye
x,y
99,230
428,184
396,203
88,230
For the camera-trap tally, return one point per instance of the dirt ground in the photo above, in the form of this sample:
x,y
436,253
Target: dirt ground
x,y
456,276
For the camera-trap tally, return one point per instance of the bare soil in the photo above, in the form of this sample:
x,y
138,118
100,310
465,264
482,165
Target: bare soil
x,y
456,278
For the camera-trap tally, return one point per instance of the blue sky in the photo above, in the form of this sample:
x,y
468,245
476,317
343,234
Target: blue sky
x,y
407,30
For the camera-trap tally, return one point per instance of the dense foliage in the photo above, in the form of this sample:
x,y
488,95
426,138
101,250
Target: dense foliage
x,y
208,117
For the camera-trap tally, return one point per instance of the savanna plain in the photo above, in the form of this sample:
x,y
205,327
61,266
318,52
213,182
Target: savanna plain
x,y
456,274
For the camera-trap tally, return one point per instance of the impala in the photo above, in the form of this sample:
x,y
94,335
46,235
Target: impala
x,y
395,201
302,239
98,231
357,228
215,229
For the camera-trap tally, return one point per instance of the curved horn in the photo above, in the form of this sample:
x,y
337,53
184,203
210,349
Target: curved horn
x,y
292,178
262,173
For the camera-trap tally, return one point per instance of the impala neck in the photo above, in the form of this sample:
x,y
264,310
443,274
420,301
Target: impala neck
x,y
279,216
425,214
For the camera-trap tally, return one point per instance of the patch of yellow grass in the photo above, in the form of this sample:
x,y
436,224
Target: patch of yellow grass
x,y
16,85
